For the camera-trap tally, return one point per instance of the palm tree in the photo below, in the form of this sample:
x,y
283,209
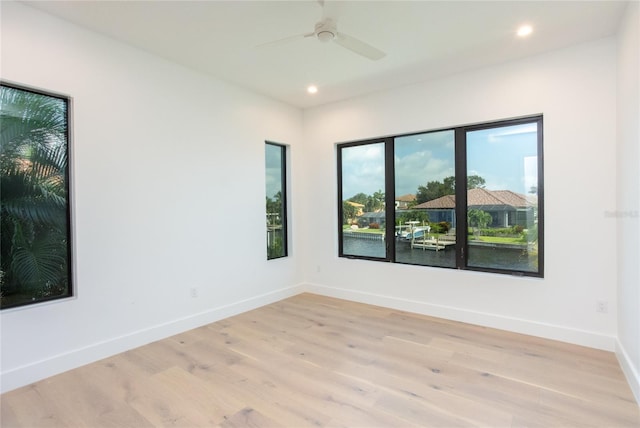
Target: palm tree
x,y
478,218
33,166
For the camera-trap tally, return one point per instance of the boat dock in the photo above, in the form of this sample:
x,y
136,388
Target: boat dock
x,y
432,244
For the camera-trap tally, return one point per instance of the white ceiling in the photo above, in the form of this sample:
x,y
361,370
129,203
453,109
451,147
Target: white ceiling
x,y
422,39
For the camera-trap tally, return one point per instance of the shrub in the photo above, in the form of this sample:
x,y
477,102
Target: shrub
x,y
497,231
444,226
440,227
374,226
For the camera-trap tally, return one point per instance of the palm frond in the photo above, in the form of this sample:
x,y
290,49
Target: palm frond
x,y
40,264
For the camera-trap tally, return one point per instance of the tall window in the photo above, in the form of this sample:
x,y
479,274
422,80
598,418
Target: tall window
x,y
276,203
468,197
363,183
503,210
425,169
34,202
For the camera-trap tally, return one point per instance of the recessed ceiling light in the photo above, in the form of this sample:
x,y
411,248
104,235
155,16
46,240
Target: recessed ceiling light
x,y
312,89
525,30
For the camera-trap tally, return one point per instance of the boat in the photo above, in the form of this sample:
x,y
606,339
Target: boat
x,y
418,233
402,231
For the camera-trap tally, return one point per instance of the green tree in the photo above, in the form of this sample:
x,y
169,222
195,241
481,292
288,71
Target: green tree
x,y
374,202
478,218
415,215
475,182
33,204
359,198
349,212
437,189
274,207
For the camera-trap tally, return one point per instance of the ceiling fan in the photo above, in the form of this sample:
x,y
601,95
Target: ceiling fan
x,y
326,30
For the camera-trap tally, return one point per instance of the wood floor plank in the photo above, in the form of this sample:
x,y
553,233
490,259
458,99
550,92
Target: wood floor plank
x,y
559,380
75,398
26,407
421,413
260,391
248,418
313,361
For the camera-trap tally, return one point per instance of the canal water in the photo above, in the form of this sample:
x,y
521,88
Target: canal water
x,y
497,258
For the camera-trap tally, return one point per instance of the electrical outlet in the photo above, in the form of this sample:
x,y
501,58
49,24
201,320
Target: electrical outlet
x,y
602,306
194,292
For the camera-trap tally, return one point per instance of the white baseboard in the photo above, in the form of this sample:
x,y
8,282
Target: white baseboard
x,y
517,325
629,369
32,372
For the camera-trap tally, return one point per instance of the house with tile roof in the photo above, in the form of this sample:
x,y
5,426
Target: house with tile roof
x,y
507,208
403,202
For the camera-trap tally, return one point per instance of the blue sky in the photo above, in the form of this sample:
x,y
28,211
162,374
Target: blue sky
x,y
273,169
422,158
505,157
418,159
362,169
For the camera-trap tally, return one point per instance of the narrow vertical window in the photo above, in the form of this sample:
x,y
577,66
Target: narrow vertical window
x,y
362,199
503,209
276,201
34,202
425,199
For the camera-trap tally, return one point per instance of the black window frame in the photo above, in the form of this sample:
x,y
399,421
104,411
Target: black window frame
x,y
460,153
67,188
284,203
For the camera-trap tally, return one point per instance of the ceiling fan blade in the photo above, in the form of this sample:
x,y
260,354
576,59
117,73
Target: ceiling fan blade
x,y
284,41
359,47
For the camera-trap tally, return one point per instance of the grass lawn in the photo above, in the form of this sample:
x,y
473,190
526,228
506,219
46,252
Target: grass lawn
x,y
347,227
500,239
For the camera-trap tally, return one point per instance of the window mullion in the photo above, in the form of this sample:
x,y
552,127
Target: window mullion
x,y
389,198
461,197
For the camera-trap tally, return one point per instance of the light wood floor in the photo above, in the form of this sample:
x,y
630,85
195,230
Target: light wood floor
x,y
323,362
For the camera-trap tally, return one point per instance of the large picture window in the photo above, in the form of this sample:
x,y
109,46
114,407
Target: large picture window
x,y
276,202
34,198
468,197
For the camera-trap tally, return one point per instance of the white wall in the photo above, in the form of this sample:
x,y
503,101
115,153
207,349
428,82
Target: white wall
x,y
168,174
628,196
575,89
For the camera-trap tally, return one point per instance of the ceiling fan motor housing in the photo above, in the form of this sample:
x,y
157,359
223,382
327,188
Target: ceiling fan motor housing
x,y
326,30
